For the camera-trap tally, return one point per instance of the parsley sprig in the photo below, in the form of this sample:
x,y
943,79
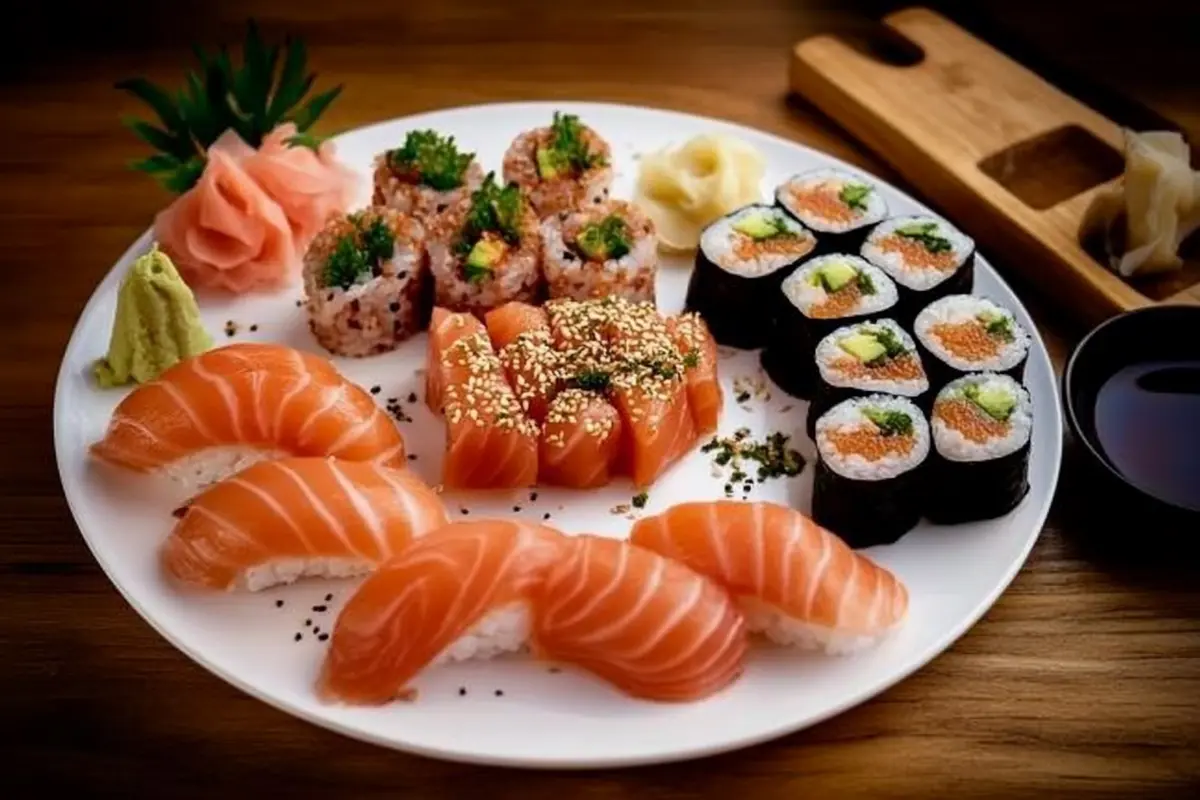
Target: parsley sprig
x,y
436,159
358,255
493,210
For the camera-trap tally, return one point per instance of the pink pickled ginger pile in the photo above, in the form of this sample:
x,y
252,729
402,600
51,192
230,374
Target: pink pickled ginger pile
x,y
246,223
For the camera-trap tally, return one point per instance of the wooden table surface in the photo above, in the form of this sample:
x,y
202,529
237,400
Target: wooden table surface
x,y
1084,678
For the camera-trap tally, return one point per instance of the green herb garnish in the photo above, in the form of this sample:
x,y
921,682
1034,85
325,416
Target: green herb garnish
x,y
567,151
639,500
605,240
890,423
854,195
865,284
475,274
997,325
926,234
592,380
435,158
358,255
892,345
252,100
774,458
691,360
493,210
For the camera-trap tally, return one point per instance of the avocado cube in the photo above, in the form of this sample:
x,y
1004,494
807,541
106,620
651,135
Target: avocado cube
x,y
550,163
485,254
994,401
760,225
836,276
863,346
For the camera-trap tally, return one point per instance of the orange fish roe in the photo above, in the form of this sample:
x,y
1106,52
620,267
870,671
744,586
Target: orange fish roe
x,y
869,443
971,421
968,340
901,368
747,248
837,304
915,254
823,200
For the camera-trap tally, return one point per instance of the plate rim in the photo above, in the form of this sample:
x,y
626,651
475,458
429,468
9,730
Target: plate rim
x,y
914,664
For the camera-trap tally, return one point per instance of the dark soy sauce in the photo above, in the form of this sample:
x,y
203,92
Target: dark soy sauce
x,y
1148,423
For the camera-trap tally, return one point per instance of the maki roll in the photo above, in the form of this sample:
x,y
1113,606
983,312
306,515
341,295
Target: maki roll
x,y
742,259
560,167
967,333
927,258
367,282
865,358
816,299
838,205
426,175
486,251
870,468
982,426
600,250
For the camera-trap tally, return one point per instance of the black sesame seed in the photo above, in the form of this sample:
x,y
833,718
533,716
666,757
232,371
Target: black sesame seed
x,y
402,274
516,509
329,297
393,307
554,670
324,637
533,497
412,397
597,200
375,390
299,303
328,597
546,515
298,637
462,691
464,511
439,208
279,604
412,456
320,609
308,623
499,693
253,328
316,630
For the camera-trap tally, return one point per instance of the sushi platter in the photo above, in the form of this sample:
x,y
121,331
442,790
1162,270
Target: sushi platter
x,y
487,472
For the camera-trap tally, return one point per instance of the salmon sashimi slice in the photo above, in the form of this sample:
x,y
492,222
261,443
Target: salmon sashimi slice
x,y
581,441
699,351
532,368
647,624
506,323
210,415
460,592
490,443
800,584
445,328
277,521
657,428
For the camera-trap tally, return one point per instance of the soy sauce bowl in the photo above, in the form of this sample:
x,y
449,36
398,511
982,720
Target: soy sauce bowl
x,y
1154,334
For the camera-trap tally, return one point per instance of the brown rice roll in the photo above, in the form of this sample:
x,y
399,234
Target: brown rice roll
x,y
426,175
368,283
560,167
486,251
601,250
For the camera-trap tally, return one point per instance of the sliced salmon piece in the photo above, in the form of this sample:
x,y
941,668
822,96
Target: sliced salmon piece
x,y
506,323
658,428
445,328
422,607
800,583
699,351
581,441
490,443
266,399
280,520
651,626
532,369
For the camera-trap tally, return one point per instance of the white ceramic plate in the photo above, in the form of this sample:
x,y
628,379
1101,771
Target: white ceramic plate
x,y
542,718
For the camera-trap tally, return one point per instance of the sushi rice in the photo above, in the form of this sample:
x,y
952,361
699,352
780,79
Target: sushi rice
x,y
963,313
571,274
907,262
952,444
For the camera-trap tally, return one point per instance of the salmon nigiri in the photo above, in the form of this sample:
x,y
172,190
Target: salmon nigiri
x,y
490,442
699,350
650,625
277,521
799,583
463,591
212,414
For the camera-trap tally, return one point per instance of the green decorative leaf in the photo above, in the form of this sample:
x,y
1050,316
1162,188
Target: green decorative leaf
x,y
157,99
292,83
308,140
156,137
162,162
186,176
315,108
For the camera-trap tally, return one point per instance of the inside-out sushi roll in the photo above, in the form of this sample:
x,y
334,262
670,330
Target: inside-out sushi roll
x,y
982,426
817,298
367,282
742,259
838,205
870,470
866,358
560,167
426,175
968,333
486,251
600,250
926,256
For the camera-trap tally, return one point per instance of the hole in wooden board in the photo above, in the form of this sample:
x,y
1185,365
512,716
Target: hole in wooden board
x,y
877,41
1054,166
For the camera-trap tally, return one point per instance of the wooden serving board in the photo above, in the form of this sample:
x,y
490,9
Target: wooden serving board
x,y
1006,155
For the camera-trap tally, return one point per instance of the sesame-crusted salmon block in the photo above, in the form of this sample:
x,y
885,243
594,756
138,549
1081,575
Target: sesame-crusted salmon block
x,y
490,443
581,441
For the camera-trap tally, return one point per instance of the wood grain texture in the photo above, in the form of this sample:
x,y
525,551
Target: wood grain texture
x,y
1082,681
965,103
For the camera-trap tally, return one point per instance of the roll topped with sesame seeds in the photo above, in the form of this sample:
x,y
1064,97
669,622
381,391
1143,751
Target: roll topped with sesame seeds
x,y
486,251
426,175
602,249
367,282
561,167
